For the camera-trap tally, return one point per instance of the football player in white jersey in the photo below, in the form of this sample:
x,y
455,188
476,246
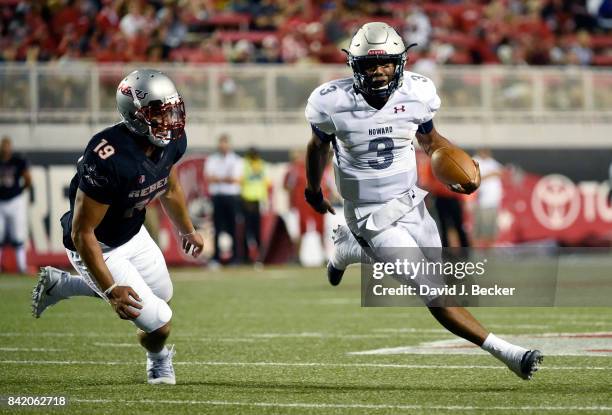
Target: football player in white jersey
x,y
371,121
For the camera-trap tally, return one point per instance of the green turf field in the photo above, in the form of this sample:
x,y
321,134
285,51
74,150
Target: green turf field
x,y
279,341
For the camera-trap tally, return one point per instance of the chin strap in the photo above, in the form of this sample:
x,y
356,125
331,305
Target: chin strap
x,y
410,46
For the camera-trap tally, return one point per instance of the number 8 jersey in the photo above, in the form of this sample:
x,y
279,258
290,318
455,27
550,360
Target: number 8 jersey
x,y
374,149
115,171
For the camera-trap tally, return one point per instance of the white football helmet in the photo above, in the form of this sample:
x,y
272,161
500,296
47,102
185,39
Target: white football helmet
x,y
373,44
150,105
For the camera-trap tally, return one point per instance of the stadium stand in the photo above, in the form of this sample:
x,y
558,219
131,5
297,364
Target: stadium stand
x,y
546,32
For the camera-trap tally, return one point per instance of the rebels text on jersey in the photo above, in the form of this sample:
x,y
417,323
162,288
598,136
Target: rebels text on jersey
x,y
374,148
115,171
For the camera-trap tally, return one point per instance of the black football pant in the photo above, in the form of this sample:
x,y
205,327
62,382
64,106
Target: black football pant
x,y
225,210
450,215
252,227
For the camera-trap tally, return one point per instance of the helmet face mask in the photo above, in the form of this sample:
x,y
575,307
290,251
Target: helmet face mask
x,y
166,122
151,106
376,44
365,83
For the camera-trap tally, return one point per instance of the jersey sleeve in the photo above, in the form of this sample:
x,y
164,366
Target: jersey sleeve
x,y
98,178
428,95
181,148
317,109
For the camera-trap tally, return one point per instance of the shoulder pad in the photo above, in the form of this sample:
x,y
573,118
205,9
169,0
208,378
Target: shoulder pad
x,y
424,89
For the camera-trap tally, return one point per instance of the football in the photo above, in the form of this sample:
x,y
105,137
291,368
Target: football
x,y
451,165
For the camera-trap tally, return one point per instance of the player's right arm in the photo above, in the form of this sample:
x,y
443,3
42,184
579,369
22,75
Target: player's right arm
x,y
87,215
319,105
317,154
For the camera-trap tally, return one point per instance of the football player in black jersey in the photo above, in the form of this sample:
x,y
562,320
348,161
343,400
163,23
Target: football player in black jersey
x,y
14,180
123,169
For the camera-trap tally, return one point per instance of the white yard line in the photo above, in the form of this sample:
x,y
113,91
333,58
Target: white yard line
x,y
28,349
116,344
349,406
292,364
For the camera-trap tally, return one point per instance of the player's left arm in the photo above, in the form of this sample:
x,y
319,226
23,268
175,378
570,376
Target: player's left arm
x,y
173,201
430,140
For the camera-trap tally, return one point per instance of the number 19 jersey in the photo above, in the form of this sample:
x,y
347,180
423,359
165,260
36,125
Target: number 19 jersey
x,y
115,171
374,149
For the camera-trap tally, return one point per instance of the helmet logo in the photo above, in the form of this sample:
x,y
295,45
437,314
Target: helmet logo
x,y
377,52
399,108
127,91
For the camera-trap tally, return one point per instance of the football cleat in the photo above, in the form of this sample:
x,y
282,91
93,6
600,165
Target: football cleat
x,y
160,370
529,364
45,293
339,260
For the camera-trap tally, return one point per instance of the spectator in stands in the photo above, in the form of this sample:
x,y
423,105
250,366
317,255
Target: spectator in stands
x,y
223,173
207,52
417,28
254,194
173,24
270,52
134,21
489,197
243,52
14,179
514,32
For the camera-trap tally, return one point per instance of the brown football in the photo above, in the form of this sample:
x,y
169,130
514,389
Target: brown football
x,y
451,165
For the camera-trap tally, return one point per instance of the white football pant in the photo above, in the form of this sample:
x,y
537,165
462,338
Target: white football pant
x,y
14,219
140,264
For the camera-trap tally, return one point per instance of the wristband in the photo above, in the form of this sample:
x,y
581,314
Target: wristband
x,y
109,289
313,198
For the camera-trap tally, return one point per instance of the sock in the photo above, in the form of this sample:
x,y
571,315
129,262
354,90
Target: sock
x,y
159,355
20,256
508,353
354,256
75,285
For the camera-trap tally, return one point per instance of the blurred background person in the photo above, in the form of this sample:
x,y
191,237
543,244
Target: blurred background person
x,y
14,179
488,198
223,172
448,206
254,193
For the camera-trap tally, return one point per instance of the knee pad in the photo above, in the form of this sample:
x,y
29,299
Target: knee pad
x,y
154,314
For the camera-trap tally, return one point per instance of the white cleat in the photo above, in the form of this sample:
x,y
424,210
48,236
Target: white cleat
x,y
45,294
161,371
340,258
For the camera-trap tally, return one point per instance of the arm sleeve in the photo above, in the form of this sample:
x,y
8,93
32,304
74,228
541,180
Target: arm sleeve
x,y
98,178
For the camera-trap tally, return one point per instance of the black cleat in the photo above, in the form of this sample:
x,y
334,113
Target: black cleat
x,y
334,275
530,363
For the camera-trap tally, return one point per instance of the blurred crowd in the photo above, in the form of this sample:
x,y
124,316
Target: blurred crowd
x,y
536,32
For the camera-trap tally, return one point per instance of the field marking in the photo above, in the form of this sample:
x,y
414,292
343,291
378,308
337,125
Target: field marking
x,y
350,406
29,349
291,364
589,344
247,338
116,344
